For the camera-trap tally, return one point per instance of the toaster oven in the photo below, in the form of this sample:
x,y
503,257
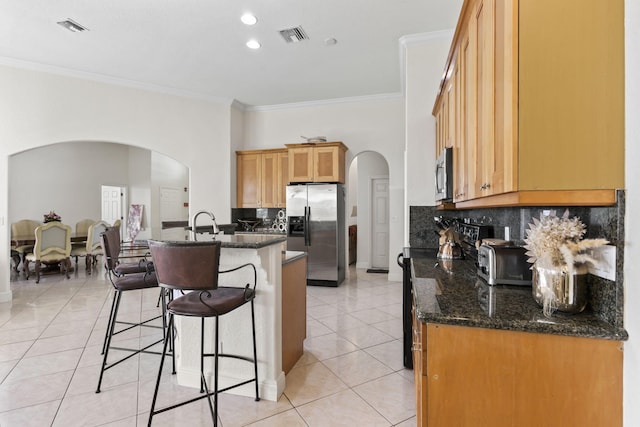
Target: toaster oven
x,y
504,265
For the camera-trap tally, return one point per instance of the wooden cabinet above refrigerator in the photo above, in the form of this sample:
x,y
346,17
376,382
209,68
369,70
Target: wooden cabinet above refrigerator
x,y
321,162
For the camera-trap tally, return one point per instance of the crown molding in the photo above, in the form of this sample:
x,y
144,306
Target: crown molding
x,y
307,104
116,81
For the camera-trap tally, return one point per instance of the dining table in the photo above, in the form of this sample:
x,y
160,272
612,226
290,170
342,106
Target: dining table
x,y
30,239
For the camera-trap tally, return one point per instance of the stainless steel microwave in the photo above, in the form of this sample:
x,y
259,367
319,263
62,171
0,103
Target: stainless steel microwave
x,y
444,175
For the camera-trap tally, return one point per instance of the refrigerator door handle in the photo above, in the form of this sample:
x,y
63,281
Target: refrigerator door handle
x,y
307,232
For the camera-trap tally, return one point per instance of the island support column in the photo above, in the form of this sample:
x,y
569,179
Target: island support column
x,y
235,329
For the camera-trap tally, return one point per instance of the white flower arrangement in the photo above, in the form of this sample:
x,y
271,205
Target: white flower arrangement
x,y
556,242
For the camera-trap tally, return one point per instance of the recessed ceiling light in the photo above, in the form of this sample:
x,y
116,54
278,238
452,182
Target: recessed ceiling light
x,y
253,44
248,19
71,25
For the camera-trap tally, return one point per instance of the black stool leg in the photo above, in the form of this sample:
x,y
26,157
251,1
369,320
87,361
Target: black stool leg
x,y
110,328
255,352
155,391
203,381
106,333
202,354
215,376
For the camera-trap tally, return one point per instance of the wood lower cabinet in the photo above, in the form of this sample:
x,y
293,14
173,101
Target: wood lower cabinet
x,y
262,177
541,114
322,162
294,311
473,376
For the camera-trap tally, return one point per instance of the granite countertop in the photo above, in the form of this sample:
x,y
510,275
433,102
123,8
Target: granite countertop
x,y
263,231
290,256
244,241
450,292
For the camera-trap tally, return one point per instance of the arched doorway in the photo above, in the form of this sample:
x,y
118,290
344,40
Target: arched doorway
x,y
68,177
368,209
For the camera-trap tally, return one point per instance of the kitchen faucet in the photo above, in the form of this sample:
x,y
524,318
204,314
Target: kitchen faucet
x,y
216,230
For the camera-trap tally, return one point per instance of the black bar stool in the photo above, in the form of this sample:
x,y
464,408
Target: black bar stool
x,y
194,266
123,283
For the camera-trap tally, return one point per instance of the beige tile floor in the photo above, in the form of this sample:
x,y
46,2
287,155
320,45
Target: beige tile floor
x,y
351,373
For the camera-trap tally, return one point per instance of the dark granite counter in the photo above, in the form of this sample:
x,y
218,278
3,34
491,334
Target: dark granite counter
x,y
244,241
269,231
291,256
450,292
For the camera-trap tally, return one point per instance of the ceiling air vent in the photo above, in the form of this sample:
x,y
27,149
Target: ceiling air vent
x,y
294,35
72,25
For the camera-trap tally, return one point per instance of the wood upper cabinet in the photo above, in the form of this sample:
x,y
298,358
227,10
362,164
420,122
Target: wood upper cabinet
x,y
323,162
541,114
260,180
249,179
283,178
510,378
300,164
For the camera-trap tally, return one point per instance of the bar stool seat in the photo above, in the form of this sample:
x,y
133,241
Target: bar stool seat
x,y
132,267
216,303
132,282
194,267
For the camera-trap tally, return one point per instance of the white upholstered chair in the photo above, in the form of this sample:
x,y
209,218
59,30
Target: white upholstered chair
x,y
24,227
53,245
82,228
92,247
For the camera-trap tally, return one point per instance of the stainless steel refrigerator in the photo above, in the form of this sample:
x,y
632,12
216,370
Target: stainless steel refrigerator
x,y
315,214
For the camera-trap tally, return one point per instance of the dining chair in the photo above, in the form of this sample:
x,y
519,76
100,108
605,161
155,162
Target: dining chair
x,y
53,245
194,266
82,228
92,247
24,227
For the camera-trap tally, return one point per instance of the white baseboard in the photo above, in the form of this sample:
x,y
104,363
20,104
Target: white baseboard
x,y
6,296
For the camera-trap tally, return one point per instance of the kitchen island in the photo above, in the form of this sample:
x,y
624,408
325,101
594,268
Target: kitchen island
x,y
487,353
235,328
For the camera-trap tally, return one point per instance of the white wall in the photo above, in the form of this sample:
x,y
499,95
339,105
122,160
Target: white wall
x,y
53,177
39,109
237,141
139,190
632,227
352,192
372,124
425,57
167,173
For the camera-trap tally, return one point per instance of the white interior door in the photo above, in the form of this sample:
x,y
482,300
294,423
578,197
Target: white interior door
x,y
380,223
111,203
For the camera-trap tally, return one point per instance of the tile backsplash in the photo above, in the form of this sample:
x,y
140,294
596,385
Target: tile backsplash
x,y
269,216
606,297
